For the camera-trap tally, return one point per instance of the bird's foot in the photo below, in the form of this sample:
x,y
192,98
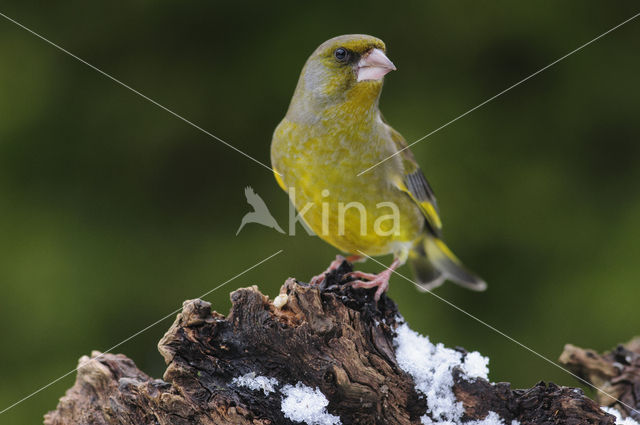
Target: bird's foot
x,y
380,280
317,280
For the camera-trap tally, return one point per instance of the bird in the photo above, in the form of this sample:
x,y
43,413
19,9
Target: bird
x,y
260,213
332,131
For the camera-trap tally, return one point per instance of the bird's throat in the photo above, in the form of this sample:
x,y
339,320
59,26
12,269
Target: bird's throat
x,y
360,103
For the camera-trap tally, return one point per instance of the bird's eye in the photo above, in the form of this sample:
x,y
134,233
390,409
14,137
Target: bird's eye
x,y
341,54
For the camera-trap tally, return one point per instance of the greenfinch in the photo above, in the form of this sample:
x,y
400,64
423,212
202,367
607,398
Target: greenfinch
x,y
332,131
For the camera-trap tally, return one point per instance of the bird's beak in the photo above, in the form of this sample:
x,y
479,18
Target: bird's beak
x,y
374,65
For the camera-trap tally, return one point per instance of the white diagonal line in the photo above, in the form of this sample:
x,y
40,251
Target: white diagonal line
x,y
109,76
135,335
504,335
503,92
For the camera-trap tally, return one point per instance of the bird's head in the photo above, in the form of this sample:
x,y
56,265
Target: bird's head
x,y
344,68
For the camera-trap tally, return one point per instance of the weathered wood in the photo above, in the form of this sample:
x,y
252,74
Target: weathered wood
x,y
616,372
333,338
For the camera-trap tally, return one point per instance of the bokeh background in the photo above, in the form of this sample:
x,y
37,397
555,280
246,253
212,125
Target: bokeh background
x,y
112,212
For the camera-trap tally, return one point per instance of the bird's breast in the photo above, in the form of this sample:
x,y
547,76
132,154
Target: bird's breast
x,y
321,170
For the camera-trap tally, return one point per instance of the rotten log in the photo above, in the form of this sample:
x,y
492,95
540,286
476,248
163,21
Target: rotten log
x,y
333,339
616,373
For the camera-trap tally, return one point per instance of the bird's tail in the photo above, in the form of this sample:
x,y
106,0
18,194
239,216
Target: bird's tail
x,y
433,263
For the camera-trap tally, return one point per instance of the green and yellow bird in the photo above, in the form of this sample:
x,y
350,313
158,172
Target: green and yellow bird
x,y
333,130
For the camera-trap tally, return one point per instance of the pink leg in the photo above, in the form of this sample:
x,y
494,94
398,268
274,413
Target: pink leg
x,y
355,259
317,280
380,280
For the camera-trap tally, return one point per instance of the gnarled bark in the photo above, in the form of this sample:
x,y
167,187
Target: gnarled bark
x,y
616,373
333,338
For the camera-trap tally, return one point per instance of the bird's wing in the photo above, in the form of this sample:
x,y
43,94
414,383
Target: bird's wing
x,y
254,199
415,184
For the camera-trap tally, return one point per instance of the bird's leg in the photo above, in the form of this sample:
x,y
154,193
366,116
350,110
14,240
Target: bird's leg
x,y
380,280
355,259
317,280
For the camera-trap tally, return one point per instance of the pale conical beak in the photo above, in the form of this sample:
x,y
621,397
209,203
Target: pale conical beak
x,y
374,65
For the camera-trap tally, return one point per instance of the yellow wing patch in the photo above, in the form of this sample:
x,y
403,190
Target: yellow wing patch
x,y
431,213
427,208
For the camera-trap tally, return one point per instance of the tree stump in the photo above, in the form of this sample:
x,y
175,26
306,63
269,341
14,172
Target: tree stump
x,y
331,341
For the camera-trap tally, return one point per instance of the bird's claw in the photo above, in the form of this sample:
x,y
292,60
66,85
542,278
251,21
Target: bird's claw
x,y
380,281
318,279
361,275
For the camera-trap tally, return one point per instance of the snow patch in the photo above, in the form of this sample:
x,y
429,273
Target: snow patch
x,y
256,382
307,405
431,367
475,366
492,419
299,403
619,420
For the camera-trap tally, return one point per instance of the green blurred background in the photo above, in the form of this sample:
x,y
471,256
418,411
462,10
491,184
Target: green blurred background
x,y
112,212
